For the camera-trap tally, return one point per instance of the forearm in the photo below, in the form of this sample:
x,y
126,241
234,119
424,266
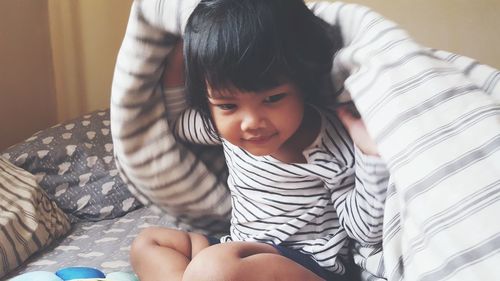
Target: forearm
x,y
361,209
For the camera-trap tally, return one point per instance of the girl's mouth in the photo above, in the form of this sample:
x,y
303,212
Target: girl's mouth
x,y
259,140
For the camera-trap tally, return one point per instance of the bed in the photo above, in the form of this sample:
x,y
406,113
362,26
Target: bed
x,y
73,164
435,116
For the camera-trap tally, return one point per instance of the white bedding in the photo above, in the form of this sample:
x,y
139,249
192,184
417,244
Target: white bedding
x,y
434,115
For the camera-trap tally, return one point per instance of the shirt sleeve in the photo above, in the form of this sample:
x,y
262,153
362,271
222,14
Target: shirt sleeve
x,y
361,207
187,123
191,126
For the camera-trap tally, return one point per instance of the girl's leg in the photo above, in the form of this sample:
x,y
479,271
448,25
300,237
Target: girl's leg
x,y
159,254
242,261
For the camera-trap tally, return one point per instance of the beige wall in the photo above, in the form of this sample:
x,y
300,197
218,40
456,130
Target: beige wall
x,y
27,99
103,26
462,26
56,61
47,78
86,36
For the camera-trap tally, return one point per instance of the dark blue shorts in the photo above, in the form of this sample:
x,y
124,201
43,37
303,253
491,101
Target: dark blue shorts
x,y
300,258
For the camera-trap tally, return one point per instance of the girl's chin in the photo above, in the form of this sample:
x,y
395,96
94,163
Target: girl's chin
x,y
259,152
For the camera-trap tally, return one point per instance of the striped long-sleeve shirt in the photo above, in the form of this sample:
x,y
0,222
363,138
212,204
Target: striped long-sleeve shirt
x,y
435,117
189,185
314,206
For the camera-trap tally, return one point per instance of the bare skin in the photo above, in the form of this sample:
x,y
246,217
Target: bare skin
x,y
174,70
357,130
174,77
161,254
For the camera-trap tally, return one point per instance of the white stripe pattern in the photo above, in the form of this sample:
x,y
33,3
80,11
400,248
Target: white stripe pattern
x,y
158,170
436,119
314,207
434,115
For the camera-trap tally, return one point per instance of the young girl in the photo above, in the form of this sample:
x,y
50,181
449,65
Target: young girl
x,y
300,188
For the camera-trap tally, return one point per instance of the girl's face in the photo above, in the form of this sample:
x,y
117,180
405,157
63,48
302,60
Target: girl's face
x,y
258,122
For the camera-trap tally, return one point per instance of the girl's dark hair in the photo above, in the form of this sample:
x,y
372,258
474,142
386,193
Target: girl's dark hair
x,y
255,45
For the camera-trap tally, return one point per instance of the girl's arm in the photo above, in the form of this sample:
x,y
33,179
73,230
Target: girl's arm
x,y
191,126
361,209
186,123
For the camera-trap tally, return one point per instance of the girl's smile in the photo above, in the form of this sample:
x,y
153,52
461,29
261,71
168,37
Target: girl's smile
x,y
260,140
270,122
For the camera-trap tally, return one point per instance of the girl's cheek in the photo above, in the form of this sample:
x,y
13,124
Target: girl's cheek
x,y
225,125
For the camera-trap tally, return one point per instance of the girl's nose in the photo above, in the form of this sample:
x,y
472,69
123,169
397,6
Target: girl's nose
x,y
251,121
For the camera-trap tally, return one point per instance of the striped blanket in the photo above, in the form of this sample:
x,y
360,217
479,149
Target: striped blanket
x,y
434,115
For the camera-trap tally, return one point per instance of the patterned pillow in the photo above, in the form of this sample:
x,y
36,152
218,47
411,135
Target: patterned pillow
x,y
73,162
29,221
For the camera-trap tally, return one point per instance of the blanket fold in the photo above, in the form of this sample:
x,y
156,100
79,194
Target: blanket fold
x,y
434,115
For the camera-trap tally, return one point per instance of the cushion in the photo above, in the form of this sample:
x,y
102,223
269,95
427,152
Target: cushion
x,y
73,162
29,220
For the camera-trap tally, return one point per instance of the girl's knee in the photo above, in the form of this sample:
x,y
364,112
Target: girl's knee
x,y
223,261
145,237
149,238
212,263
144,240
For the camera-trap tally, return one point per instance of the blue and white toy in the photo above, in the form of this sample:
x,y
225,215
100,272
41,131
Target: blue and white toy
x,y
76,273
37,275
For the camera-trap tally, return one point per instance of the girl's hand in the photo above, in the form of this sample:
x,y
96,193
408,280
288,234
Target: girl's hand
x,y
351,119
174,70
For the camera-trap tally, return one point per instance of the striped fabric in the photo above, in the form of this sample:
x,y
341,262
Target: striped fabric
x,y
313,207
434,115
158,170
436,119
29,221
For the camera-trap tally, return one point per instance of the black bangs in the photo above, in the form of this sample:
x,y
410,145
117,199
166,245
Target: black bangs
x,y
255,45
235,46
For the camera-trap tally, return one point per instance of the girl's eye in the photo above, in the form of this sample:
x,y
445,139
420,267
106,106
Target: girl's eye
x,y
226,106
274,98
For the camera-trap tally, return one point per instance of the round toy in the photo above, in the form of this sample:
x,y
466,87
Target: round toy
x,y
121,276
76,272
91,279
38,276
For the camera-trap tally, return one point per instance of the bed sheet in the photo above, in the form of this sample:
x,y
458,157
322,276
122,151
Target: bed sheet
x,y
104,245
434,116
